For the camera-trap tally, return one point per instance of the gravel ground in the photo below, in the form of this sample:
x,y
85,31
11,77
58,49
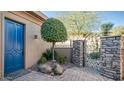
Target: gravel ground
x,y
70,74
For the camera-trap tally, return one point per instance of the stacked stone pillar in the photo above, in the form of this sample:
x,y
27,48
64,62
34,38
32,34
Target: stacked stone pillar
x,y
112,56
78,50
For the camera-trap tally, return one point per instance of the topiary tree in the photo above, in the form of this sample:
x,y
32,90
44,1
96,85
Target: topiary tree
x,y
53,30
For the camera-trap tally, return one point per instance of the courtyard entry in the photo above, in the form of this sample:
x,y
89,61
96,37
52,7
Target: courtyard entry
x,y
14,46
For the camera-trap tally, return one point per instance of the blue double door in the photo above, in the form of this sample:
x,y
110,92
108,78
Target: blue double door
x,y
14,46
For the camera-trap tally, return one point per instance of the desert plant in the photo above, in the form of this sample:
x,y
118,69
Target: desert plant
x,y
106,27
94,55
48,54
53,30
61,59
42,60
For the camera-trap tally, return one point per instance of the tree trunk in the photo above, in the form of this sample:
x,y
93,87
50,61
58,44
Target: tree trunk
x,y
53,51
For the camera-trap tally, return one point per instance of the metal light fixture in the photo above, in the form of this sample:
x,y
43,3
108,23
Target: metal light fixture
x,y
35,36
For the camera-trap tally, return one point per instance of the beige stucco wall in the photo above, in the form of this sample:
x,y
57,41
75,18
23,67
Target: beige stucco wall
x,y
33,47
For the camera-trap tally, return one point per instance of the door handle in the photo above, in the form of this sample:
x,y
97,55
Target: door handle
x,y
22,52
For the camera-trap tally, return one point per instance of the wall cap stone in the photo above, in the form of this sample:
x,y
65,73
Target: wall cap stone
x,y
79,40
111,36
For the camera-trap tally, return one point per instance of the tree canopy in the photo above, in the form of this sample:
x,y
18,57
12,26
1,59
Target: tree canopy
x,y
53,30
118,30
80,23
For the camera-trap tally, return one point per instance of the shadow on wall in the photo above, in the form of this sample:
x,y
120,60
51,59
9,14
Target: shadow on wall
x,y
64,52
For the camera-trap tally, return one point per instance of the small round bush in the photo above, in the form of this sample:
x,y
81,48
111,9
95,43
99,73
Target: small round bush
x,y
94,55
48,54
61,59
42,60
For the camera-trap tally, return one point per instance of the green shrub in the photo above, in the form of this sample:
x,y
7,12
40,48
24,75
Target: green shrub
x,y
61,59
94,55
42,60
48,54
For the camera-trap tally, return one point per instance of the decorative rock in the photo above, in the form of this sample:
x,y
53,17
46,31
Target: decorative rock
x,y
58,70
52,74
34,67
52,68
45,68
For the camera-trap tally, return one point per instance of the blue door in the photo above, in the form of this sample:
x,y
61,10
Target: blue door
x,y
14,46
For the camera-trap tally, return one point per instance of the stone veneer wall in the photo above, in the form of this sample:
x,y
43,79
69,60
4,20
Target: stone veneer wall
x,y
110,56
78,50
122,58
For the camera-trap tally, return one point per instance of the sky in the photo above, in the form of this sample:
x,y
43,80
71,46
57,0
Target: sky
x,y
115,17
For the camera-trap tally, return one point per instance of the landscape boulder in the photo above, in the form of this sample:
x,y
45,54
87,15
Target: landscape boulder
x,y
51,68
45,68
58,69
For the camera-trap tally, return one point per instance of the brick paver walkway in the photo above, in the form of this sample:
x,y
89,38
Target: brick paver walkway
x,y
71,74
